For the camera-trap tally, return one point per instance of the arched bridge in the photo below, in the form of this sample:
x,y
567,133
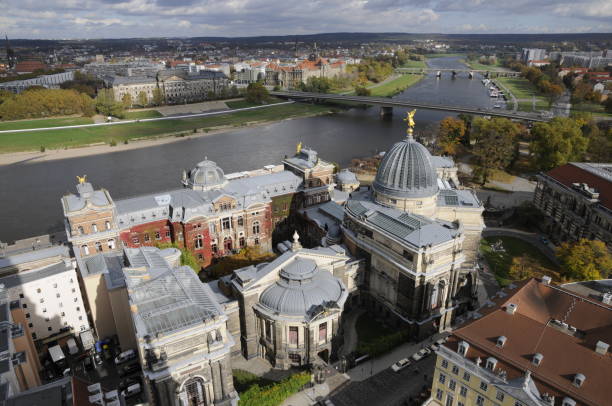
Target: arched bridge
x,y
485,73
387,105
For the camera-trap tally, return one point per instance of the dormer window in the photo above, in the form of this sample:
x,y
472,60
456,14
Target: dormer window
x,y
81,231
491,363
537,359
501,340
568,402
578,380
94,228
463,348
108,225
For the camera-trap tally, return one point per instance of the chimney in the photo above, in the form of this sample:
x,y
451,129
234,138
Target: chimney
x,y
607,298
546,280
511,308
601,347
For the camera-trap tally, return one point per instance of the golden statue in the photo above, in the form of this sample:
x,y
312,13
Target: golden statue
x,y
410,120
82,179
298,148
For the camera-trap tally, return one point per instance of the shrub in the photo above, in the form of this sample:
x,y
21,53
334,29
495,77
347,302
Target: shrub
x,y
113,143
275,394
42,148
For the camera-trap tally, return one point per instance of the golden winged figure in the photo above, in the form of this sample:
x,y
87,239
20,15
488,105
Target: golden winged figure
x,y
298,148
82,179
410,118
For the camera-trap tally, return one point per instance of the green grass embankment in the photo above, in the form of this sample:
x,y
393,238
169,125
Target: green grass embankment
x,y
138,115
393,87
43,122
77,137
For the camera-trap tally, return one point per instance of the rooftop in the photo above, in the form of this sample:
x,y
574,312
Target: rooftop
x,y
595,175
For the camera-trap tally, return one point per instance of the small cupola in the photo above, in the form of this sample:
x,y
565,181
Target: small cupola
x,y
463,348
578,380
501,341
537,359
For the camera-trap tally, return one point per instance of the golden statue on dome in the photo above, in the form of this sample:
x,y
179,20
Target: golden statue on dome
x,y
82,179
298,148
410,120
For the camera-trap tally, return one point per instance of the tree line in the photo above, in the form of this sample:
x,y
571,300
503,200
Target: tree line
x,y
40,102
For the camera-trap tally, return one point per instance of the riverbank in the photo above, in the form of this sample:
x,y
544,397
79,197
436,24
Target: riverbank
x,y
66,139
396,85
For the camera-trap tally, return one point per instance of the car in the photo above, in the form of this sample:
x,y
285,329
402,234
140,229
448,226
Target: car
x,y
125,356
131,390
401,364
434,347
417,356
544,240
129,369
426,351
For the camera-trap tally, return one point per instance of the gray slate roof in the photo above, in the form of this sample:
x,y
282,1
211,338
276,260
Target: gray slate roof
x,y
166,299
458,198
411,228
85,193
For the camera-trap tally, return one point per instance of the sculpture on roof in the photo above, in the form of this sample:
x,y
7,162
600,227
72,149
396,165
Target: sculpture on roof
x,y
410,120
298,148
82,179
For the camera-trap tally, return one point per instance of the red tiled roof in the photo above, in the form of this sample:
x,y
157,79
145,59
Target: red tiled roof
x,y
570,173
530,330
29,66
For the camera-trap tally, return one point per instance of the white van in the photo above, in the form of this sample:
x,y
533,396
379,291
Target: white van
x,y
131,390
73,348
125,356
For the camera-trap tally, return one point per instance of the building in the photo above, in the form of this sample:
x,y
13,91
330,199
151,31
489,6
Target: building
x,y
44,282
347,181
290,76
30,66
419,234
534,344
132,85
68,391
532,54
183,342
179,87
49,81
576,200
317,175
290,309
103,69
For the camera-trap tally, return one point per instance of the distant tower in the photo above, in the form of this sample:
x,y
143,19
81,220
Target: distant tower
x,y
11,59
295,51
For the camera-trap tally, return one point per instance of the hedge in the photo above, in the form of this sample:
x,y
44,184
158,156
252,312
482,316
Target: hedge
x,y
383,344
275,394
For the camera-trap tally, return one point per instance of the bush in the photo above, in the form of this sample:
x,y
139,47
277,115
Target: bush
x,y
187,257
383,344
275,394
362,91
42,148
112,143
37,103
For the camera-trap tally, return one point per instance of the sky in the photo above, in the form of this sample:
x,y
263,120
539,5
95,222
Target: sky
x,y
68,19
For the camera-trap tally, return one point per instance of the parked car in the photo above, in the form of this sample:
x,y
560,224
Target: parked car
x,y
129,369
125,356
434,347
73,348
426,351
417,356
544,240
401,364
131,390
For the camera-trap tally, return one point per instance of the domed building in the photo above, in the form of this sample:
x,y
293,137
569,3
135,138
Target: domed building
x,y
419,233
347,181
290,309
205,176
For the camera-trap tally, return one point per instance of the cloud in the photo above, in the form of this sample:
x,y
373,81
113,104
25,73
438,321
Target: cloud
x,y
129,18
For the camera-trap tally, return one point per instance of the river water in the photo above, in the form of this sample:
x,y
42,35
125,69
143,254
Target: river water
x,y
30,193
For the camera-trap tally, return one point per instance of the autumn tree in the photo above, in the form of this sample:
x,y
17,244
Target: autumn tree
x,y
106,104
257,93
158,97
143,99
584,260
522,267
495,144
127,101
452,132
557,142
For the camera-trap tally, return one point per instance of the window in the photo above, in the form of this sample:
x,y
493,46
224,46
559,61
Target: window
x,y
463,391
80,317
480,401
268,329
439,394
49,328
30,325
500,396
55,285
256,227
73,290
323,332
63,314
293,335
25,306
108,225
147,238
452,384
98,246
167,233
75,300
449,400
295,358
46,319
94,228
466,377
27,315
85,249
199,241
78,309
214,249
455,370
226,223
483,386
38,290
444,363
57,295
21,295
442,378
256,241
42,300
241,242
33,336
81,231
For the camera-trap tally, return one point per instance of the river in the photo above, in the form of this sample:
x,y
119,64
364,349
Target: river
x,y
30,193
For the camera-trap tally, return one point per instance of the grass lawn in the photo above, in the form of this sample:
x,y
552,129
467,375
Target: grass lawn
x,y
521,88
500,261
479,66
70,138
243,380
414,64
528,106
137,115
593,108
44,122
395,86
442,55
240,104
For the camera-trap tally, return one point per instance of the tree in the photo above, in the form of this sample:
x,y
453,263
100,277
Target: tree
x,y
452,131
584,260
316,85
257,93
106,104
496,144
522,267
127,101
158,97
608,105
362,91
557,142
5,95
143,99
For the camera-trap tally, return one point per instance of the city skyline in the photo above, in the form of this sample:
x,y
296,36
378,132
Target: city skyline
x,y
71,19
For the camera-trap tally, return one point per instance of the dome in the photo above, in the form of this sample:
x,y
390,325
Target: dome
x,y
302,290
346,177
406,171
206,175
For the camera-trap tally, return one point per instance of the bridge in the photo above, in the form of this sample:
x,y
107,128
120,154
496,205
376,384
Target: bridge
x,y
485,73
387,105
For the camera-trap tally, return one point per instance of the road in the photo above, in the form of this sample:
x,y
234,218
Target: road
x,y
144,120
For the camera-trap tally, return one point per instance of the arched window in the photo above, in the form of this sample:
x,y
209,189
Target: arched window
x,y
434,297
85,249
199,241
81,231
111,244
241,242
94,227
227,244
108,225
193,393
256,227
98,246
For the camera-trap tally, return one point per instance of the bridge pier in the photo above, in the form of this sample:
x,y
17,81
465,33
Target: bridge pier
x,y
471,75
386,111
